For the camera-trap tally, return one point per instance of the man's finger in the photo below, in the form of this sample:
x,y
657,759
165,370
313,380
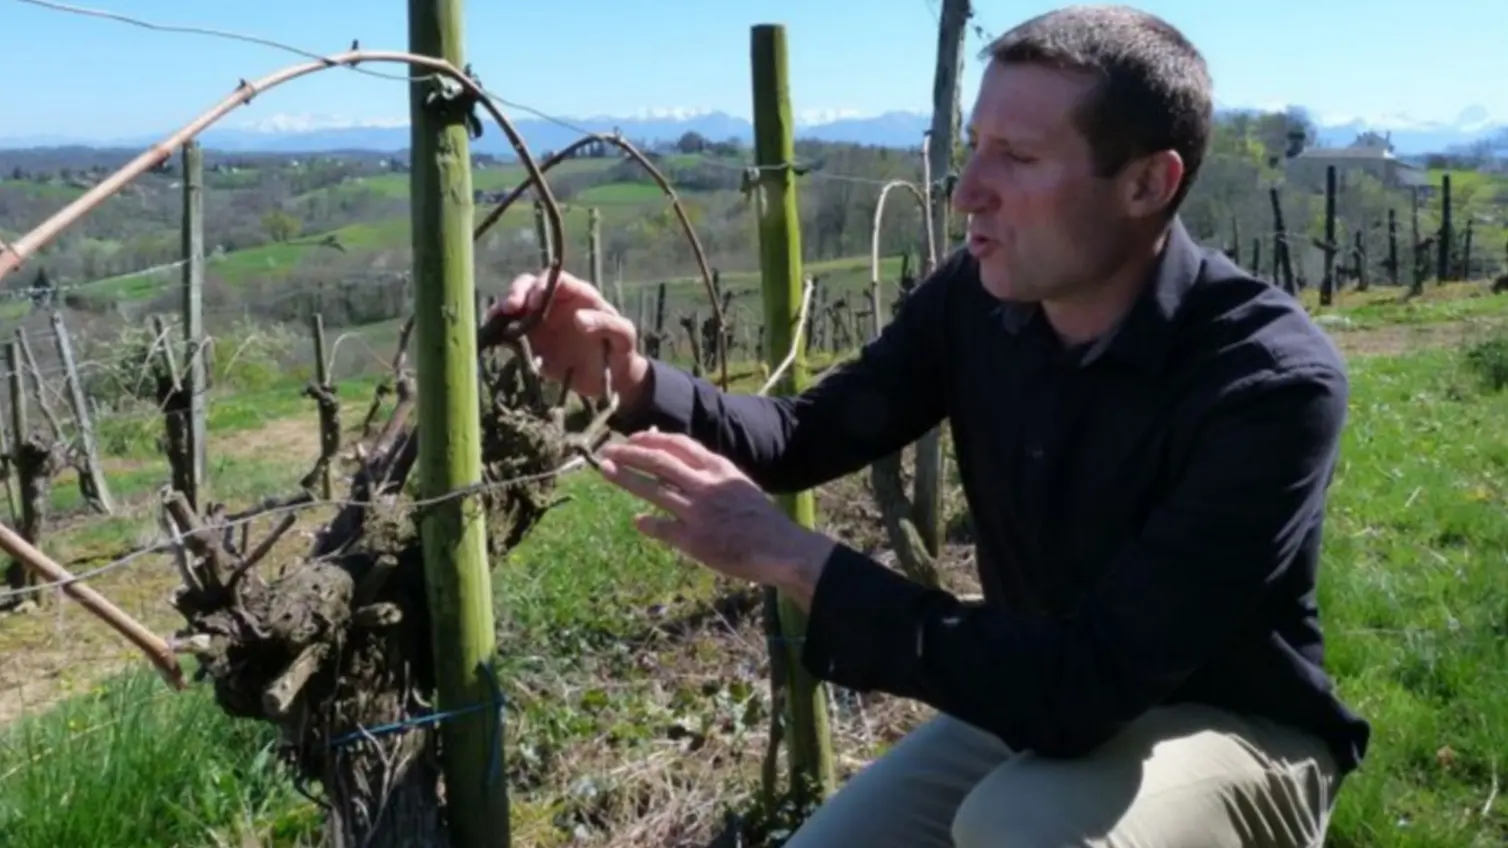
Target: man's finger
x,y
527,291
570,289
689,450
619,331
645,487
517,296
655,462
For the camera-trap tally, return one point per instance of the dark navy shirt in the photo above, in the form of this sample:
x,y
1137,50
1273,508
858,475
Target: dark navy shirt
x,y
1147,509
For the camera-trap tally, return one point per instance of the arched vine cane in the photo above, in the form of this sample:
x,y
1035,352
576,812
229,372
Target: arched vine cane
x,y
923,196
617,140
874,242
885,473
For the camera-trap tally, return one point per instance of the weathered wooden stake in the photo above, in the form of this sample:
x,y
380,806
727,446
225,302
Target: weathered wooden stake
x,y
594,254
807,736
1465,272
659,333
1327,282
642,320
450,459
20,427
8,471
1393,246
100,493
38,388
16,575
194,375
324,395
1442,271
1282,256
1416,286
947,120
36,462
172,401
1359,256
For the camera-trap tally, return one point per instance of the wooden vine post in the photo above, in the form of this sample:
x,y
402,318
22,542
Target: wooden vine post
x,y
594,257
809,743
194,373
947,117
1416,285
322,390
459,589
1327,282
1446,235
1282,255
1392,263
92,484
16,575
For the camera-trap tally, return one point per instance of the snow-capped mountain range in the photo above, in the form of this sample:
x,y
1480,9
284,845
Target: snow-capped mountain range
x,y
319,133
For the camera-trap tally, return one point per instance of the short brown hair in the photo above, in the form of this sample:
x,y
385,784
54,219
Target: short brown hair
x,y
1152,91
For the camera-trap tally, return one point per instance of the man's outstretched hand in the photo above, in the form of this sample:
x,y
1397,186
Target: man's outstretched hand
x,y
570,336
715,514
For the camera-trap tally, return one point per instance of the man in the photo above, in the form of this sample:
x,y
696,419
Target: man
x,y
1145,435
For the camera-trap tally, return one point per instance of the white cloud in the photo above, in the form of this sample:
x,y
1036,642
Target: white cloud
x,y
307,122
809,117
1470,119
667,113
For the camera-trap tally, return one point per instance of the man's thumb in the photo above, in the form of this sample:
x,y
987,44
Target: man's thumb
x,y
615,329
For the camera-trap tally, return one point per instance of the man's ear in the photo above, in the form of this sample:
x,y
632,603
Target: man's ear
x,y
1150,183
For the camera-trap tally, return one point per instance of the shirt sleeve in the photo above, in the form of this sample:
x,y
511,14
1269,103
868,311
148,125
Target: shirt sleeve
x,y
1251,490
867,408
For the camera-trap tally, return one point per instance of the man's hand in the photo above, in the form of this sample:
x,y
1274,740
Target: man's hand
x,y
571,334
716,515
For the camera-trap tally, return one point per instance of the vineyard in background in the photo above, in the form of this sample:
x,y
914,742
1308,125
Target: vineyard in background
x,y
639,705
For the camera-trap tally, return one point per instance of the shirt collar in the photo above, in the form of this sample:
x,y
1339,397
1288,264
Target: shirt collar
x,y
1145,333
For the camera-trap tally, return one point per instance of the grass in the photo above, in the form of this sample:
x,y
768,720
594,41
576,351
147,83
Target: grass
x,y
623,734
109,768
1388,306
1415,597
619,193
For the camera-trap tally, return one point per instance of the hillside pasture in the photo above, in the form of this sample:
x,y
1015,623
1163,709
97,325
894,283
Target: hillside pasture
x,y
490,178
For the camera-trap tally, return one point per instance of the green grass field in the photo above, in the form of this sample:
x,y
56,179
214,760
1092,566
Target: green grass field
x,y
641,745
486,179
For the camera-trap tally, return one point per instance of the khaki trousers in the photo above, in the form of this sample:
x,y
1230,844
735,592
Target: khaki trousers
x,y
1182,776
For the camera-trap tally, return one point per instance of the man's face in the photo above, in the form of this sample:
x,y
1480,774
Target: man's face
x,y
1041,224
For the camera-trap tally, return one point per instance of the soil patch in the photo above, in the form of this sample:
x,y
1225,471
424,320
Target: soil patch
x,y
1398,339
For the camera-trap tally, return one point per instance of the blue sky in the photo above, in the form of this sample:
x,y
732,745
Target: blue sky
x,y
98,78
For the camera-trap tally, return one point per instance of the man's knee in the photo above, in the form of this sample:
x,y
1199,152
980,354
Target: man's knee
x,y
1035,802
908,797
1180,777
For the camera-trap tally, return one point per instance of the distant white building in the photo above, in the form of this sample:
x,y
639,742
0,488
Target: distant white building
x,y
1370,153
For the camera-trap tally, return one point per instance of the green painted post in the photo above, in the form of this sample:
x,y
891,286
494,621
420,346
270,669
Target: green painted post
x,y
808,737
449,423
